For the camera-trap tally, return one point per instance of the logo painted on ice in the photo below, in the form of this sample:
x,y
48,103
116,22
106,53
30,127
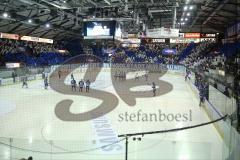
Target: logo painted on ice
x,y
109,100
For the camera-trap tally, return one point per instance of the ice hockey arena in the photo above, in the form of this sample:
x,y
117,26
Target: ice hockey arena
x,y
119,79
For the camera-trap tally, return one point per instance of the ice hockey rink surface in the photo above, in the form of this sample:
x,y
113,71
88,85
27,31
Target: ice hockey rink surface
x,y
27,116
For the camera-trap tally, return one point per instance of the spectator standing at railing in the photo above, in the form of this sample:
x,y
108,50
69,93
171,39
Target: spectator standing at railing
x,y
187,76
1,59
203,91
201,95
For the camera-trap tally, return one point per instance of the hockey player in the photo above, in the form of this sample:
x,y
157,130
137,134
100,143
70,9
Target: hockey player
x,y
136,76
81,85
59,74
87,85
146,76
45,83
72,77
154,89
73,84
25,82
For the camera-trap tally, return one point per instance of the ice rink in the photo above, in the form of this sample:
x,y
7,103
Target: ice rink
x,y
27,116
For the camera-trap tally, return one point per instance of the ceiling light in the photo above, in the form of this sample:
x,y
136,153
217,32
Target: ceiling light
x,y
191,7
29,21
64,1
185,8
186,19
5,15
181,19
183,23
188,14
47,25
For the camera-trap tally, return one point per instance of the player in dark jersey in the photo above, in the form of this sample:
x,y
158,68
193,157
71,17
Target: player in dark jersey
x,y
45,83
201,94
59,74
154,89
81,85
73,84
25,84
72,77
88,85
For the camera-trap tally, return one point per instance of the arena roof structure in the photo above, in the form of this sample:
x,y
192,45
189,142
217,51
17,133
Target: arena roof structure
x,y
59,19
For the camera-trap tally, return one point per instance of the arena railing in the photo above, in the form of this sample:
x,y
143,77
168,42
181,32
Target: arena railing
x,y
217,105
34,73
147,147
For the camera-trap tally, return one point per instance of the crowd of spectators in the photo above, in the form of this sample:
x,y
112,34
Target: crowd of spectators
x,y
203,56
146,54
29,52
32,48
35,54
209,57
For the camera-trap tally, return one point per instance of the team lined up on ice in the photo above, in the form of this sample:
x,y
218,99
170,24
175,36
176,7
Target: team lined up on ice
x,y
81,84
87,83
